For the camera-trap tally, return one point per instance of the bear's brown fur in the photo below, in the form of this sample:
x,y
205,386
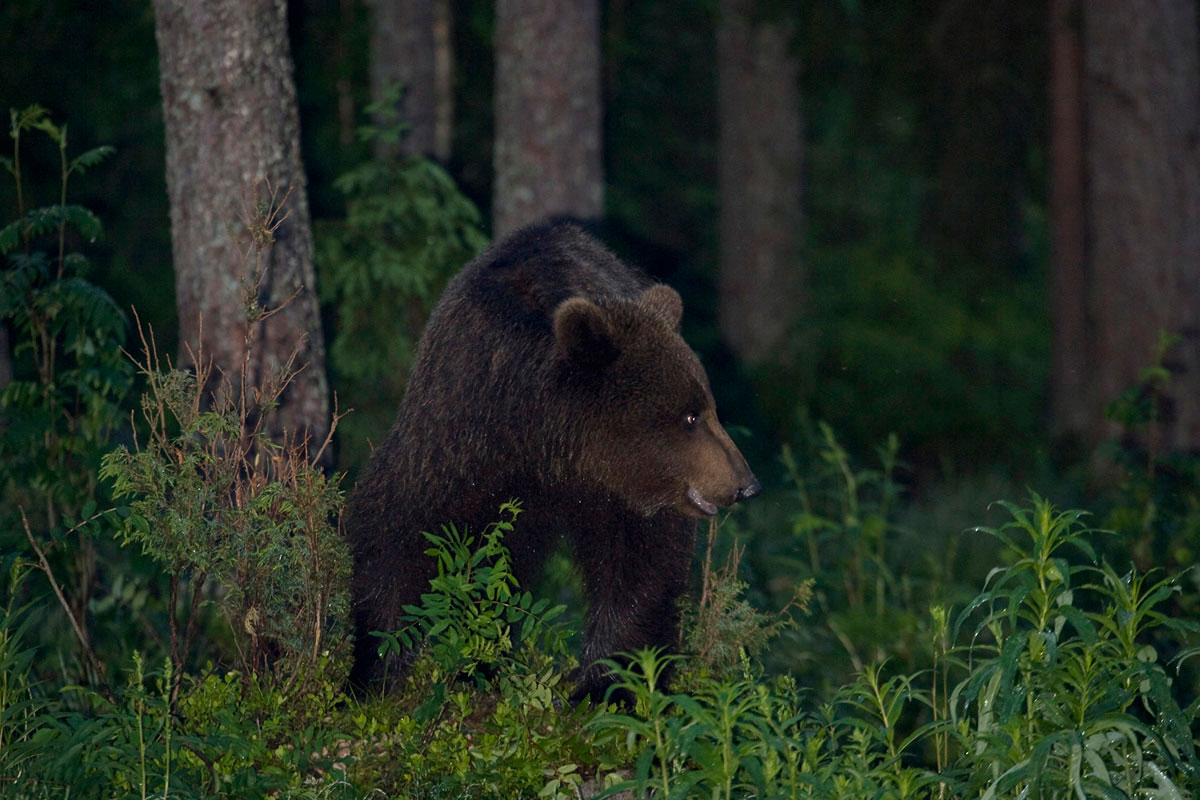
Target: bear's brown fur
x,y
551,372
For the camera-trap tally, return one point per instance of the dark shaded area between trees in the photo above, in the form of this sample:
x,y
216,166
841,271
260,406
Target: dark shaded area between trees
x,y
924,148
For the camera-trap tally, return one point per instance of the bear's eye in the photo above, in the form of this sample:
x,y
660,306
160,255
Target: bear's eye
x,y
690,420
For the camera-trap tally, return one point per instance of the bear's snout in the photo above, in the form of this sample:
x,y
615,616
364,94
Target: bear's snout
x,y
720,476
733,475
699,502
751,489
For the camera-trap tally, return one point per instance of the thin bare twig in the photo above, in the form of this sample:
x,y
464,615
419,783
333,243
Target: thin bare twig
x,y
333,425
88,653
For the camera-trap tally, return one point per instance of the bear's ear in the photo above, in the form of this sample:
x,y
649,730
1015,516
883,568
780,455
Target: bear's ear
x,y
663,302
582,333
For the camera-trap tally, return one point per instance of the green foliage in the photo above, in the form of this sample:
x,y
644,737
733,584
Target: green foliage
x,y
1063,693
1141,407
219,740
748,737
1052,692
213,498
68,337
24,713
721,629
839,540
407,230
484,711
888,317
926,231
474,617
1052,682
66,397
1157,509
70,375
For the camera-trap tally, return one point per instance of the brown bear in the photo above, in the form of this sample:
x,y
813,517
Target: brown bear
x,y
551,372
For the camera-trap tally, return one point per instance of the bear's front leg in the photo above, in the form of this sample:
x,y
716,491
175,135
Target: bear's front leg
x,y
635,570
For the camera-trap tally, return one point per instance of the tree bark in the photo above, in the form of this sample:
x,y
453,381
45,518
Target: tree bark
x,y
233,135
410,46
760,148
1141,91
548,118
1071,360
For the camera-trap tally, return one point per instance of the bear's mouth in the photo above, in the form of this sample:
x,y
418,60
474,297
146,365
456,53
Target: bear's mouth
x,y
696,499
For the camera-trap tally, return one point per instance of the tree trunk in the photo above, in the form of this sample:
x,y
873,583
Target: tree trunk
x,y
233,137
1071,366
1141,91
410,46
547,98
760,147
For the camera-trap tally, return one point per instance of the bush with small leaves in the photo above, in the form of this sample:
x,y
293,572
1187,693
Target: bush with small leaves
x,y
214,500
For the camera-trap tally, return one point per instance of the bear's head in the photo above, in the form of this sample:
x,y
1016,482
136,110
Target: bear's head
x,y
643,413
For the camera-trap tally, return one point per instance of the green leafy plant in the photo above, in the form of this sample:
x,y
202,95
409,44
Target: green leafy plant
x,y
1157,509
216,495
69,385
25,713
67,333
214,499
721,629
1067,696
1053,690
216,740
485,709
846,550
474,619
407,230
748,737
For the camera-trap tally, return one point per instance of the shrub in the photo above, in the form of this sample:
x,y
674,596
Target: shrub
x,y
474,620
214,500
64,402
484,711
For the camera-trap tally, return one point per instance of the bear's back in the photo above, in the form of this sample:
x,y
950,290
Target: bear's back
x,y
526,276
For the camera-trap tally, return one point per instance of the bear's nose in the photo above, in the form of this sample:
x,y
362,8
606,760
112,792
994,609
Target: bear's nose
x,y
746,492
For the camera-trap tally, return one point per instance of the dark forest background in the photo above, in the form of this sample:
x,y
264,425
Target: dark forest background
x,y
924,305
933,254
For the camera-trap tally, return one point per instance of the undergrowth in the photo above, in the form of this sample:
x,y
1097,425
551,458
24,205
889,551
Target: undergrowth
x,y
1045,688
